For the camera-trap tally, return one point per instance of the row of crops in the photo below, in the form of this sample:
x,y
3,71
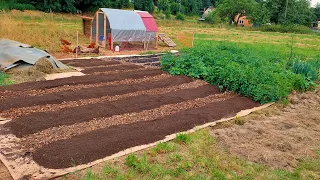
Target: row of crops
x,y
260,75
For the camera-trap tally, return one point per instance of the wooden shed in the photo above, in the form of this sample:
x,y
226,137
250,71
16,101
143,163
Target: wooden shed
x,y
86,25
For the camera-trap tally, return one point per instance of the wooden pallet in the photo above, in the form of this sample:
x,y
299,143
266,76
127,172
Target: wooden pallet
x,y
163,37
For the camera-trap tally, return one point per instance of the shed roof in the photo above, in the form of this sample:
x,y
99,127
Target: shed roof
x,y
148,21
123,19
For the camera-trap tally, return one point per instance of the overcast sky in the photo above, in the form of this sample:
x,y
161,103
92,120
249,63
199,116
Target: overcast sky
x,y
314,2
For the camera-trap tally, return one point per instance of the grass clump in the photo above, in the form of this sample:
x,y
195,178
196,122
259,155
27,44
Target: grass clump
x,y
3,79
261,76
182,138
239,121
163,147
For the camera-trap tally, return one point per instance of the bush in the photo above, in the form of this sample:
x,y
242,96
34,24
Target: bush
x,y
258,75
168,14
286,29
9,5
180,16
212,18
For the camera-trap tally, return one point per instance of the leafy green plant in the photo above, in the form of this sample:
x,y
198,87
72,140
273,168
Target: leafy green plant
x,y
259,75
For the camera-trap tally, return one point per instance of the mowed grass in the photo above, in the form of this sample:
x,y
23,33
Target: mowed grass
x,y
197,158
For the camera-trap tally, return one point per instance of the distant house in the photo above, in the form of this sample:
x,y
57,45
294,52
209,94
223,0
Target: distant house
x,y
206,12
243,21
316,24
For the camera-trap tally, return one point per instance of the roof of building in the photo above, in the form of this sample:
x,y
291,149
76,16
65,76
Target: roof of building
x,y
149,22
124,19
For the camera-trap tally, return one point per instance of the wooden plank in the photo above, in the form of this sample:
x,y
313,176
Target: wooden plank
x,y
105,31
97,28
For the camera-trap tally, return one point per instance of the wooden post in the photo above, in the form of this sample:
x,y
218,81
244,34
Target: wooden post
x,y
192,39
157,39
77,44
97,28
105,32
91,31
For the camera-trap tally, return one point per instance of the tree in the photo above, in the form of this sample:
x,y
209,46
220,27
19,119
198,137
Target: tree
x,y
231,9
144,5
317,10
260,14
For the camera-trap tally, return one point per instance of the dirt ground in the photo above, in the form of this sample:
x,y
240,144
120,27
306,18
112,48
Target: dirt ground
x,y
78,120
277,136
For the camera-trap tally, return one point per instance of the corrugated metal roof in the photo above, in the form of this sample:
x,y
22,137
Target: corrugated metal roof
x,y
123,19
149,22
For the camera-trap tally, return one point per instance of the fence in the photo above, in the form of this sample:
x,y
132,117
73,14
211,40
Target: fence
x,y
186,39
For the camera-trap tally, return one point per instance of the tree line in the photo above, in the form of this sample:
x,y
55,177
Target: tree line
x,y
259,11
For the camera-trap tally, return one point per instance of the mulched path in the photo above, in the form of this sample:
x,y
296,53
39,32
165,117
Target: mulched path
x,y
117,106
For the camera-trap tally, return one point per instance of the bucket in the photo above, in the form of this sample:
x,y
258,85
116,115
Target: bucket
x,y
117,49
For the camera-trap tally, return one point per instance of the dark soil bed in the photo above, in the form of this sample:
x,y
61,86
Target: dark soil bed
x,y
35,122
70,95
112,68
88,63
89,79
104,142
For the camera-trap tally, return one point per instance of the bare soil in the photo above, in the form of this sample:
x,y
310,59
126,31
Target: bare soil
x,y
103,142
89,79
70,95
39,121
277,136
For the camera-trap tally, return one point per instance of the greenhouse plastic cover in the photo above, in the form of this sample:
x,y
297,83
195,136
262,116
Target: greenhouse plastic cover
x,y
13,53
125,25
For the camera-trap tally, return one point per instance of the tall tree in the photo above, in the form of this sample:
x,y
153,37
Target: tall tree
x,y
231,9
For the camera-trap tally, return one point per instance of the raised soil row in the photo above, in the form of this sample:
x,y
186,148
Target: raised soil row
x,y
35,122
88,63
111,68
75,80
56,98
104,142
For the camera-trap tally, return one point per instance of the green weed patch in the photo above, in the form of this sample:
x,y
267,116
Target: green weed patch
x,y
261,76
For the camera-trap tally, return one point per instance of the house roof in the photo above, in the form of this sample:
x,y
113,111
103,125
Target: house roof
x,y
149,22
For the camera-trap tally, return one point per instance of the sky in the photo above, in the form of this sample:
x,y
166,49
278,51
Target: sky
x,y
314,2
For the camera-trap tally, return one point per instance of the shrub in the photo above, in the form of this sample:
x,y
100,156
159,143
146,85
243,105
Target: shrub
x,y
212,18
9,5
258,75
299,29
168,14
180,16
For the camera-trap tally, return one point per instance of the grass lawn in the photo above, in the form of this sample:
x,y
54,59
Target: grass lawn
x,y
195,156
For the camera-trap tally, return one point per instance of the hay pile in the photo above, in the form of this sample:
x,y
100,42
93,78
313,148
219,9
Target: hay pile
x,y
33,73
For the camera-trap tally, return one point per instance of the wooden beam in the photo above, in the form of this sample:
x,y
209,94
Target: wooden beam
x,y
105,31
97,28
157,39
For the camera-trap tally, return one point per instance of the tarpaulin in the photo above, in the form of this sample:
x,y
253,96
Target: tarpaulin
x,y
13,53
